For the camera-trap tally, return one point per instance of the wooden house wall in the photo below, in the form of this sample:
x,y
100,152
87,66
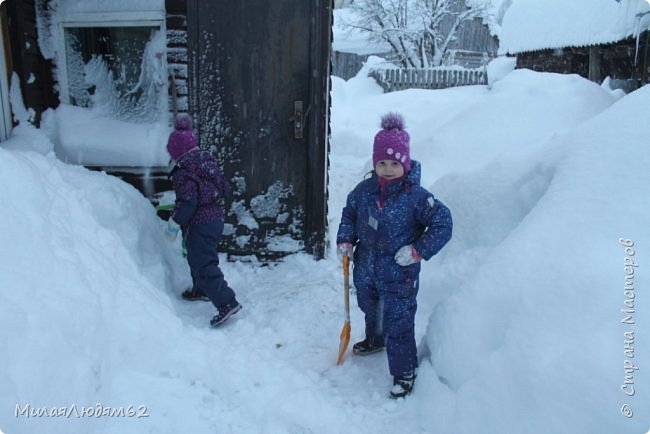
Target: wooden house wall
x,y
177,58
623,61
473,44
36,77
619,60
26,60
564,61
38,88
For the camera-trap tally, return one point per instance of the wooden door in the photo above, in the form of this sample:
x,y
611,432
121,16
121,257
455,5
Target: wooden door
x,y
259,73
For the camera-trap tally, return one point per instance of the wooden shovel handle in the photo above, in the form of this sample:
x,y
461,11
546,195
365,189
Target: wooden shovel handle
x,y
346,287
345,333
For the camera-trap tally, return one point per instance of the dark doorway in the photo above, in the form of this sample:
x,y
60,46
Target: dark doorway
x,y
259,73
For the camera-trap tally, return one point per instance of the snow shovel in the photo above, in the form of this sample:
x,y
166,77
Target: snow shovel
x,y
345,333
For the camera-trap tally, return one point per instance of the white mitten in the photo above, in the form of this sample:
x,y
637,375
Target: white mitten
x,y
344,249
407,255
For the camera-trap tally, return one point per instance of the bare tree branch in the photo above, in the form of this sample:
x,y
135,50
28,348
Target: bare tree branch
x,y
419,32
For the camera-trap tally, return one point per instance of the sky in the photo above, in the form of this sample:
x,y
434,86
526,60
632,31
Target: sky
x,y
350,40
533,319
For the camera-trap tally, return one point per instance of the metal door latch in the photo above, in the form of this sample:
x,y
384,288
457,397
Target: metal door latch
x,y
297,119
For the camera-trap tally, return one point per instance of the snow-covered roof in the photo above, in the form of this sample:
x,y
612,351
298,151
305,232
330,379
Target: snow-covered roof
x,y
530,25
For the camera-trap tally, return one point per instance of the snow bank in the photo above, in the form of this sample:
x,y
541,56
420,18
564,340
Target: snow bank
x,y
88,284
535,327
521,312
499,68
82,136
523,108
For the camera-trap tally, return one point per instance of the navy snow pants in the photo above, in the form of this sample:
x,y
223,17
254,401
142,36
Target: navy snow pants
x,y
201,243
390,316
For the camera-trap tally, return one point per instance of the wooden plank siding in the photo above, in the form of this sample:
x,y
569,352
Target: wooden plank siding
x,y
177,58
619,60
34,72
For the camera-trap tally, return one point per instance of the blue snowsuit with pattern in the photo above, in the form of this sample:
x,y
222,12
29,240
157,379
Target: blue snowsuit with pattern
x,y
386,291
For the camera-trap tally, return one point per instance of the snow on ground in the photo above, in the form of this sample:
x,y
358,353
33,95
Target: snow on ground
x,y
519,320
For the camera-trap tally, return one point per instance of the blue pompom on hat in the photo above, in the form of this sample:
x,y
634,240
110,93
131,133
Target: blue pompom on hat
x,y
392,142
182,139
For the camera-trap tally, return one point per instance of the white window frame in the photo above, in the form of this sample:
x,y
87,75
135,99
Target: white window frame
x,y
99,19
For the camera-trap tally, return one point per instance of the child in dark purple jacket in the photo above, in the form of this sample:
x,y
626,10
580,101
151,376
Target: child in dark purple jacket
x,y
392,223
199,186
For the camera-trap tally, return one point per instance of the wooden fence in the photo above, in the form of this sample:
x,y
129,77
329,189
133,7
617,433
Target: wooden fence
x,y
439,78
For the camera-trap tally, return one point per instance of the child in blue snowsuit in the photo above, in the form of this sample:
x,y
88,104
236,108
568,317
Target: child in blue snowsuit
x,y
199,185
391,223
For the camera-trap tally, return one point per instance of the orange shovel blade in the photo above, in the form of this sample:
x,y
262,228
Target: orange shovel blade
x,y
345,341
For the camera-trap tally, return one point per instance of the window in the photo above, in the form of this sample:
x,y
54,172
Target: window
x,y
117,70
112,74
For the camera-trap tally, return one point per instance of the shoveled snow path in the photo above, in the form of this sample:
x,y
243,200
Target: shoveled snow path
x,y
278,354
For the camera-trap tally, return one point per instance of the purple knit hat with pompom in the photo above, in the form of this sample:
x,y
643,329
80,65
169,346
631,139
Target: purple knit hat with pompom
x,y
182,139
392,142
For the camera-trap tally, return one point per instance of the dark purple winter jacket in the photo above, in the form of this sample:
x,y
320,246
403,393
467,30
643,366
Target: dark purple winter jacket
x,y
199,187
410,215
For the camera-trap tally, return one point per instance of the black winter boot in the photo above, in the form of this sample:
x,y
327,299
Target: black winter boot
x,y
194,294
402,386
367,347
225,311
